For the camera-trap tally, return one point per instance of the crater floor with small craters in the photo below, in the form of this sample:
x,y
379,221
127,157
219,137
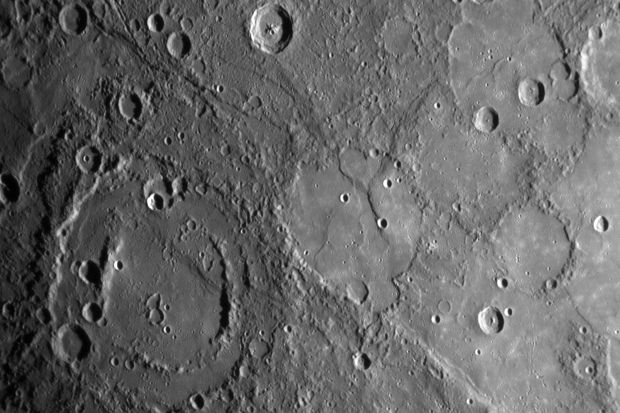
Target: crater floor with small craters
x,y
310,206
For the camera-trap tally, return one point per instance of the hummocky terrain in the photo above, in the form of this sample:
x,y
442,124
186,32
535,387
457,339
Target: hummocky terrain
x,y
310,206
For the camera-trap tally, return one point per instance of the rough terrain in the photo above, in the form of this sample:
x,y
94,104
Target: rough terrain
x,y
310,206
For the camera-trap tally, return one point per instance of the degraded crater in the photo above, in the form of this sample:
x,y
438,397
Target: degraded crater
x,y
71,343
533,246
598,55
163,307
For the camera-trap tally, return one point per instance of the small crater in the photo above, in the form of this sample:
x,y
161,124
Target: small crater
x,y
155,23
258,348
531,92
92,312
444,306
187,24
88,159
178,45
551,284
490,320
486,119
153,301
271,28
130,106
155,316
585,367
5,27
595,33
502,283
16,72
73,19
361,361
357,291
601,224
90,272
43,315
9,188
197,401
155,202
382,223
71,343
8,310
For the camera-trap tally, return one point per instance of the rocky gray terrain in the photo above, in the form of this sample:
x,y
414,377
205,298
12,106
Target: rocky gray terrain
x,y
310,206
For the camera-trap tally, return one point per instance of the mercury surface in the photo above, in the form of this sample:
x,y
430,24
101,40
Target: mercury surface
x,y
310,206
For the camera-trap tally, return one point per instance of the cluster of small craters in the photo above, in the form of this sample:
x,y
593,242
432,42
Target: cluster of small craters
x,y
160,193
90,273
72,343
178,43
530,92
155,312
